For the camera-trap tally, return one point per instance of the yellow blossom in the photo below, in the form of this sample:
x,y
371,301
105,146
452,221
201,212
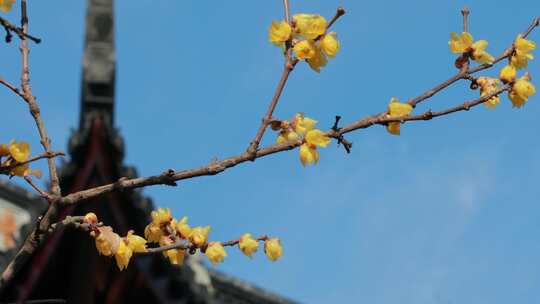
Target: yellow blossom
x,y
153,233
521,90
330,45
310,26
161,216
286,136
122,255
397,109
279,32
460,43
215,253
135,242
489,86
199,235
183,227
23,170
479,53
521,54
317,138
176,256
303,124
107,241
248,245
508,74
5,5
272,249
318,60
19,151
308,154
305,49
4,150
90,218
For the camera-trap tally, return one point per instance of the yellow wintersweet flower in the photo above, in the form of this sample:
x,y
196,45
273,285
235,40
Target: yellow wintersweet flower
x,y
5,5
397,109
479,53
248,245
176,256
23,170
91,218
308,154
215,253
305,49
303,124
183,228
460,43
122,255
521,55
521,90
285,136
318,60
464,43
4,150
508,74
308,150
317,137
489,86
272,249
107,242
135,242
161,216
153,233
330,45
19,151
310,26
199,235
279,32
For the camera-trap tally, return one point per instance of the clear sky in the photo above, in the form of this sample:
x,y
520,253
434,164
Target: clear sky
x,y
446,213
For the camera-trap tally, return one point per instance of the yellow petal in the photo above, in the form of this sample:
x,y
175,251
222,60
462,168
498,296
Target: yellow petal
x,y
393,128
330,45
19,151
305,49
4,150
5,5
317,137
248,245
215,253
285,136
318,60
524,45
310,26
303,124
272,249
508,74
176,256
183,228
397,109
135,242
308,154
107,242
279,32
460,43
199,235
123,255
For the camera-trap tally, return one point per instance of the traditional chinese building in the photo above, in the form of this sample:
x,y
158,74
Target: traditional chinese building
x,y
67,267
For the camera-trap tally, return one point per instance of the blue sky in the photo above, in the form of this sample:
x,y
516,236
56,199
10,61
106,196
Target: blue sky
x,y
446,213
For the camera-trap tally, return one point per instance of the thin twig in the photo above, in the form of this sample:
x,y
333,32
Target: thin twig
x,y
11,87
340,11
6,169
286,10
17,30
41,192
